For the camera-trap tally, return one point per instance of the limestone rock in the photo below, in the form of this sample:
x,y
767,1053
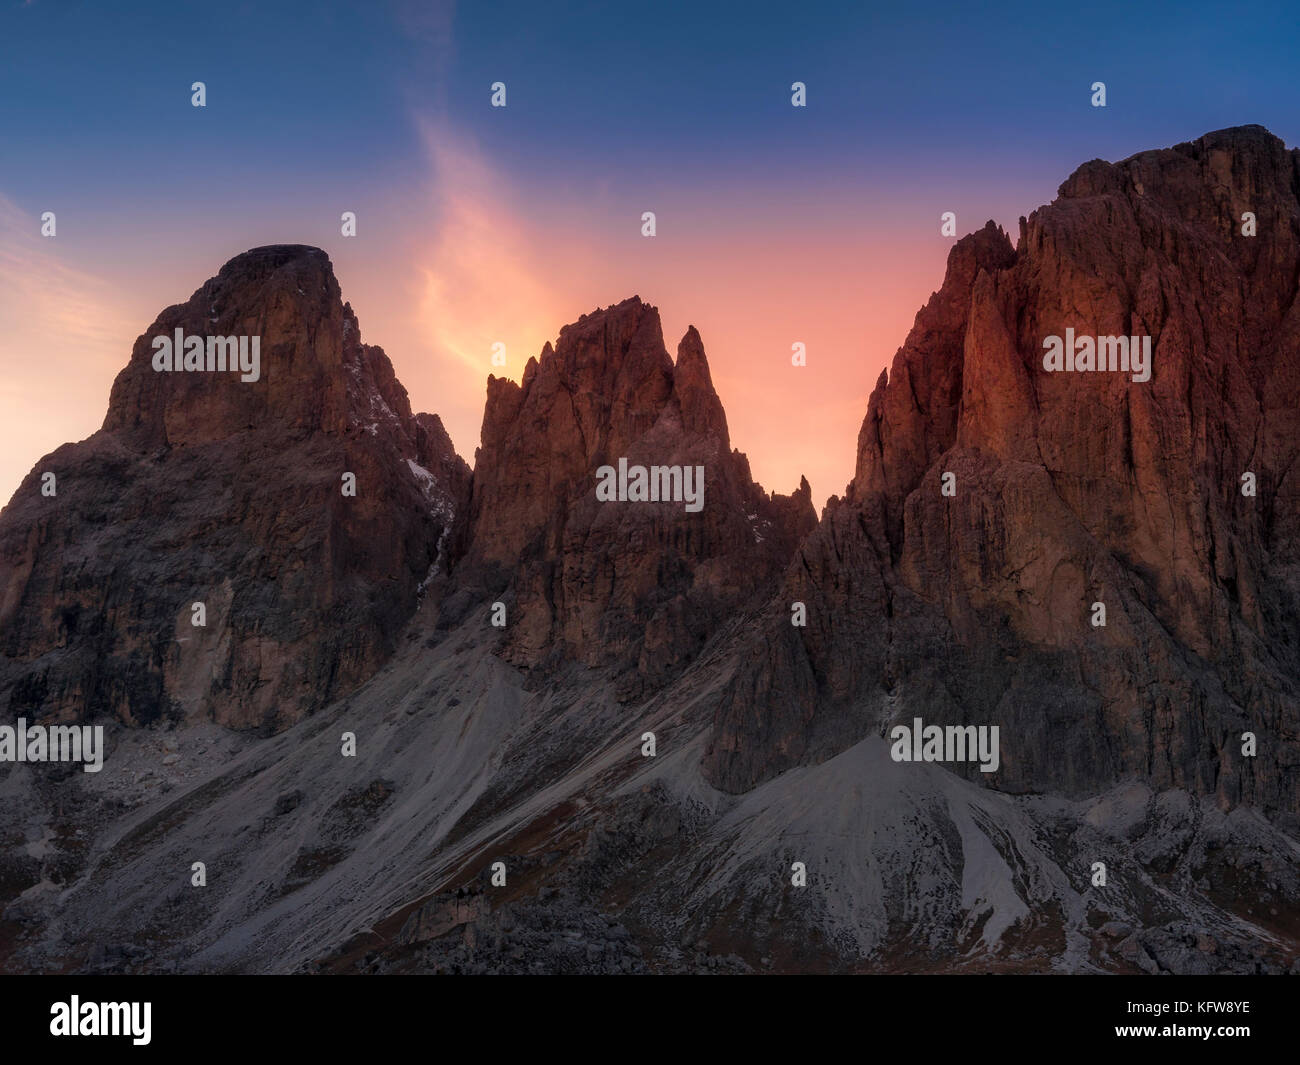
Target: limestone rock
x,y
1071,488
204,488
635,586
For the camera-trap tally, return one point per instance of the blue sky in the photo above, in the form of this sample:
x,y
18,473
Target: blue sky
x,y
328,88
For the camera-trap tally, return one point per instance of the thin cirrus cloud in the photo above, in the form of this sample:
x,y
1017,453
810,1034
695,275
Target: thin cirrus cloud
x,y
62,339
511,259
488,274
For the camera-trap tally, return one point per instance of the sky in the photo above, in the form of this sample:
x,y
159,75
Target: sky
x,y
478,225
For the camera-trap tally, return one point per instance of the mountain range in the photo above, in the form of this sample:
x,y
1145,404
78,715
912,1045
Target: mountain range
x,y
630,736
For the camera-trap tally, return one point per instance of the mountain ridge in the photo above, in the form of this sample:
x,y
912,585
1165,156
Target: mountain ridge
x,y
525,744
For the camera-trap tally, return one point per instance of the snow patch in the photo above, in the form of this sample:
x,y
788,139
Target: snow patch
x,y
366,401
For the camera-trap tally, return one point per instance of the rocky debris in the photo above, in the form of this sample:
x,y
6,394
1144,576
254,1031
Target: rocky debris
x,y
462,932
333,831
552,936
1180,948
117,958
1070,489
911,868
204,488
439,916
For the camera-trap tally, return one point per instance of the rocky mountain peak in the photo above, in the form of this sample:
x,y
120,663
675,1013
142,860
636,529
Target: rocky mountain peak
x,y
242,543
639,584
280,310
998,501
912,414
693,387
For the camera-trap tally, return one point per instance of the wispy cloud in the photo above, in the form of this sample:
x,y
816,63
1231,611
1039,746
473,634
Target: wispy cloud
x,y
430,25
39,291
491,274
63,337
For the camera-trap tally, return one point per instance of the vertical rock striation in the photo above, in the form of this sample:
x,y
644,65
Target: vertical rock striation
x,y
1072,488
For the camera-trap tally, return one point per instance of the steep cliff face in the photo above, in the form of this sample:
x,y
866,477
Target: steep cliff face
x,y
638,586
1072,488
206,488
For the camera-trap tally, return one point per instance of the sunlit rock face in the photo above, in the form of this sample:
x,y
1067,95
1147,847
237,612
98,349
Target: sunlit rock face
x,y
1069,489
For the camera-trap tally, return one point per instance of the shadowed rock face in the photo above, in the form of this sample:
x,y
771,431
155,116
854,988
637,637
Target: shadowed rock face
x,y
203,488
635,586
1071,488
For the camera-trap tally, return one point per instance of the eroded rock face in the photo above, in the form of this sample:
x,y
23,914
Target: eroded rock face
x,y
204,488
638,586
1072,488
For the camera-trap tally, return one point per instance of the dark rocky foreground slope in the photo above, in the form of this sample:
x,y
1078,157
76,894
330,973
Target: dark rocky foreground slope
x,y
524,745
